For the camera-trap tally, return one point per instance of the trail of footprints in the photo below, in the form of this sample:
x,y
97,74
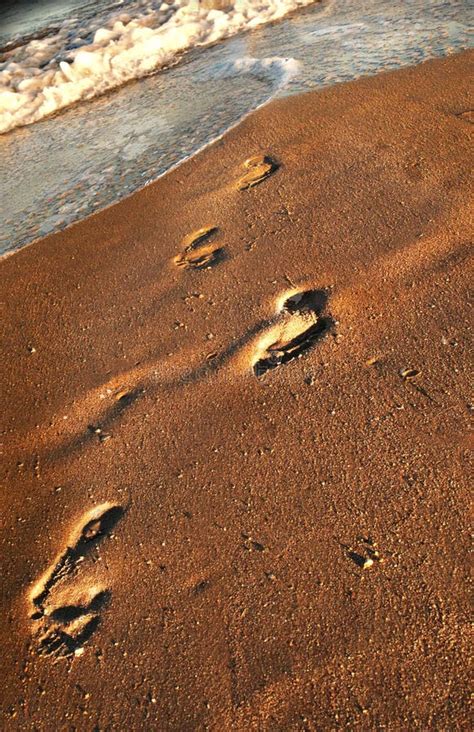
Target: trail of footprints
x,y
297,326
200,249
66,604
300,323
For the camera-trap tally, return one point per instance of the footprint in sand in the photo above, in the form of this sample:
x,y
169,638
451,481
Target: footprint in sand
x,y
66,609
259,168
300,324
200,250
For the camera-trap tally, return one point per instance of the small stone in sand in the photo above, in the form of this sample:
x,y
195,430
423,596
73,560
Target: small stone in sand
x,y
409,373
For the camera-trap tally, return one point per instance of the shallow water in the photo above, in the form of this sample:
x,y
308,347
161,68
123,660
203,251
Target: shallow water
x,y
65,167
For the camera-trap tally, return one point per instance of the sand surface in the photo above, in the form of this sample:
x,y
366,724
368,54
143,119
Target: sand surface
x,y
227,504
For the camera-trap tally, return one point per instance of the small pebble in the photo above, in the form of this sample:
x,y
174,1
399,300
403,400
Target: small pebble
x,y
372,361
409,373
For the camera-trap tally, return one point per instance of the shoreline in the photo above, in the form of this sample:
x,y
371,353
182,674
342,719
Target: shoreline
x,y
72,169
236,430
174,166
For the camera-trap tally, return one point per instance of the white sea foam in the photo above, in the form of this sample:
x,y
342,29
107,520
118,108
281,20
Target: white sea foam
x,y
49,74
275,69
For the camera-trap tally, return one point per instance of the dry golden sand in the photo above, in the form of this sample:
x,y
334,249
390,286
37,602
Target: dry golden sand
x,y
204,549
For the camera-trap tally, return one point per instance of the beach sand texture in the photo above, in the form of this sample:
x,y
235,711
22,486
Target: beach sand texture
x,y
236,431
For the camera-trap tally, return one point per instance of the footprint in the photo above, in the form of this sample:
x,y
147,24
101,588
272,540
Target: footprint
x,y
259,168
296,330
66,612
200,251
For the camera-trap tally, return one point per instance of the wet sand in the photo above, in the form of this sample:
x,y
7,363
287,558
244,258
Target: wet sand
x,y
236,431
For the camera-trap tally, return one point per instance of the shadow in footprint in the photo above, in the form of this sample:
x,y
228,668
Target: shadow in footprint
x,y
97,528
67,628
69,613
61,643
200,251
300,326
